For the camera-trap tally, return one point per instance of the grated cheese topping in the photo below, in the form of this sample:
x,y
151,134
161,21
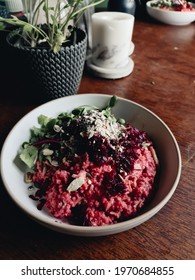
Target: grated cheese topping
x,y
98,123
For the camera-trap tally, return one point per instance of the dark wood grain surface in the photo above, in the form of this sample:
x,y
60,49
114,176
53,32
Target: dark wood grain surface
x,y
163,80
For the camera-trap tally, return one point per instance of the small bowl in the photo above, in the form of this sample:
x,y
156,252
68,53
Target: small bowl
x,y
170,17
165,144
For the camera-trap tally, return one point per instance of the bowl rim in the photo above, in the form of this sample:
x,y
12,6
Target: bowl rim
x,y
86,230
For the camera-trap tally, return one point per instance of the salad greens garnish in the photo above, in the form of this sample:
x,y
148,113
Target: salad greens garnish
x,y
29,155
112,102
49,139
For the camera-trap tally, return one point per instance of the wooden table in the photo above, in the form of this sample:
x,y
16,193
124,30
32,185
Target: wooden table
x,y
163,80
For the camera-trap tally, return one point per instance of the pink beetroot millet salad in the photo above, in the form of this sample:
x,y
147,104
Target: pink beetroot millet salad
x,y
90,168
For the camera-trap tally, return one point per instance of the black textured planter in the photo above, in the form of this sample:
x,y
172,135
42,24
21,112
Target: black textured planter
x,y
57,75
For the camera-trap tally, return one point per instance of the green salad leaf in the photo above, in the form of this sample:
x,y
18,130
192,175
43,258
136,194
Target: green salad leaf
x,y
29,155
50,130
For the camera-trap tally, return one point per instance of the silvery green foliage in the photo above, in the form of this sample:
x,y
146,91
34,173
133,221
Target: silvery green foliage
x,y
60,17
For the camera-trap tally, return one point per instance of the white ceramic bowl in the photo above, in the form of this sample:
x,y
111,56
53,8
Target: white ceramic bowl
x,y
140,117
170,17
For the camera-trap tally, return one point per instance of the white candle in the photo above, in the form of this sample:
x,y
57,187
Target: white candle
x,y
111,38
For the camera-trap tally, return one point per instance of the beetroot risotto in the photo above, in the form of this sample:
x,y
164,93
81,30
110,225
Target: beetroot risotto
x,y
89,168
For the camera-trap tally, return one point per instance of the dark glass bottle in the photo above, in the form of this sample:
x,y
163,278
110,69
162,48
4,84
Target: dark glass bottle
x,y
125,6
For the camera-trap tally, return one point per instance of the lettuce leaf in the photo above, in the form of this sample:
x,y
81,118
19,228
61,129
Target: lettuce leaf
x,y
29,155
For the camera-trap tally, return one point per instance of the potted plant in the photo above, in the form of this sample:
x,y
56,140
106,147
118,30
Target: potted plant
x,y
53,47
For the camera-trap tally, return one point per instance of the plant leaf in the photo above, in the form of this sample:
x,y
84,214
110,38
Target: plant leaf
x,y
27,28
